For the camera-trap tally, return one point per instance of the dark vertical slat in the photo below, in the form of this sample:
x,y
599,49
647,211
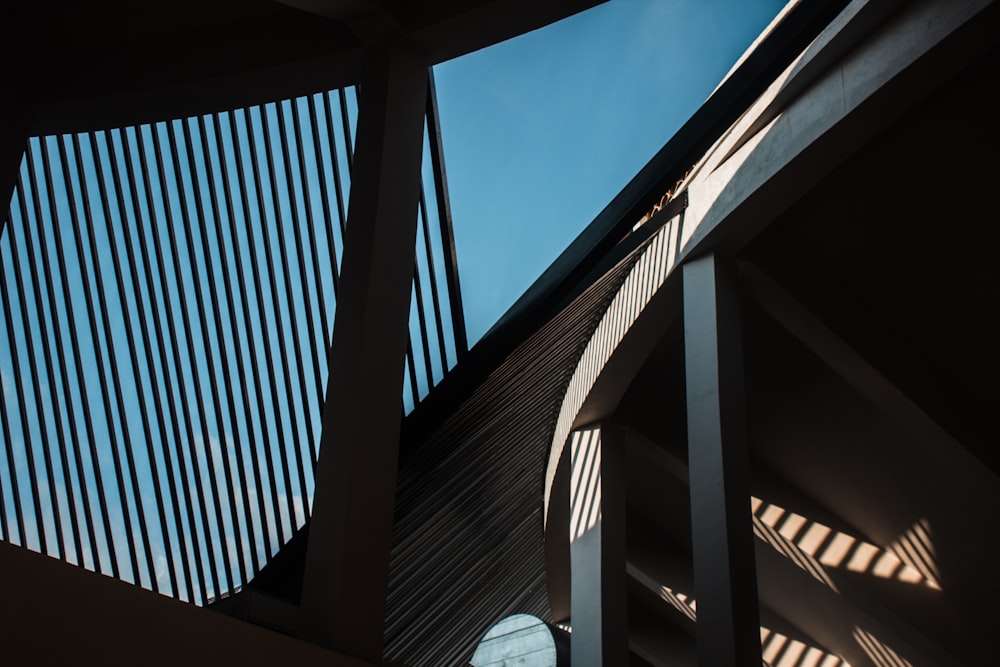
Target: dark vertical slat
x,y
113,360
157,245
4,528
325,195
331,242
43,341
314,255
251,343
223,348
307,301
193,360
7,437
335,164
282,345
432,279
78,365
272,379
227,274
413,371
29,343
422,322
348,141
16,367
312,443
172,408
152,363
99,355
444,218
57,338
200,222
132,347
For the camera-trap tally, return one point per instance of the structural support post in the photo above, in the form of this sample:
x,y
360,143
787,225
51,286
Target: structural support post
x,y
721,530
598,606
347,561
444,218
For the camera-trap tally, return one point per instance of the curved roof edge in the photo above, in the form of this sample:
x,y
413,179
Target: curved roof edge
x,y
800,23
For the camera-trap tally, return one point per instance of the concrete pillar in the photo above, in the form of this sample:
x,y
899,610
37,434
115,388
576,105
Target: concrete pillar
x,y
347,561
598,606
725,583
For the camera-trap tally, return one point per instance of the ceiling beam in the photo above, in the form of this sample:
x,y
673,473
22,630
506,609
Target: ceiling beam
x,y
337,9
866,379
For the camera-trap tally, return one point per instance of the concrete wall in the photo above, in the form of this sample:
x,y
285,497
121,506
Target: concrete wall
x,y
52,613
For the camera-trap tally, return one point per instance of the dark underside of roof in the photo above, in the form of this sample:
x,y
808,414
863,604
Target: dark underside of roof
x,y
77,65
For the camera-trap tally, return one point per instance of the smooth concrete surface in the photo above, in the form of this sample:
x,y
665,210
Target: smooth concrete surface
x,y
52,613
718,466
848,96
828,447
738,193
822,601
636,297
599,612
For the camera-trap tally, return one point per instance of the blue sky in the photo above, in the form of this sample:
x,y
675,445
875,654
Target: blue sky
x,y
541,131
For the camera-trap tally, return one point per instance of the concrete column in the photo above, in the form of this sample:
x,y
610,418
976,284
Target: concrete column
x,y
347,561
598,606
725,583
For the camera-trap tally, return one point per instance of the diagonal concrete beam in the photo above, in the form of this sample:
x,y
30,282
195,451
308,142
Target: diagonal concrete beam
x,y
343,10
347,561
868,381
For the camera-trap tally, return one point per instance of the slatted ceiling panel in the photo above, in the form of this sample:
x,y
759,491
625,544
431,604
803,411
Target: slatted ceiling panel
x,y
148,220
168,293
468,536
284,388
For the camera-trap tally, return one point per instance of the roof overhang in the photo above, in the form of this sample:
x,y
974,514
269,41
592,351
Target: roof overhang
x,y
105,63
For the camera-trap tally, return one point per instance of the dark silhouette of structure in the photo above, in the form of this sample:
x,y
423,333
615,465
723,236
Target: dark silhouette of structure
x,y
747,420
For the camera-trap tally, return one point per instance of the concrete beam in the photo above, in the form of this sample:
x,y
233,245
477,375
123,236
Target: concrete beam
x,y
825,612
858,76
347,561
880,391
250,59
